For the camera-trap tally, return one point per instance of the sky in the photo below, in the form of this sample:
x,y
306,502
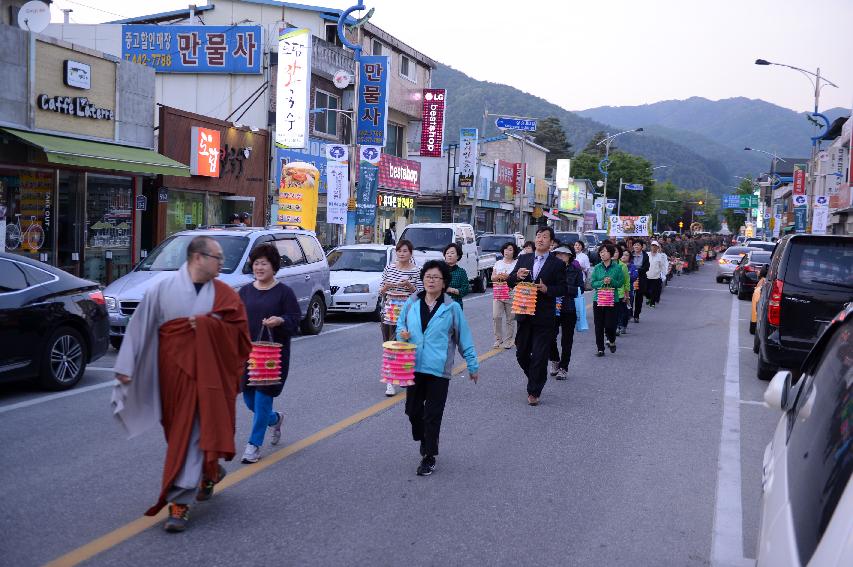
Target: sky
x,y
583,54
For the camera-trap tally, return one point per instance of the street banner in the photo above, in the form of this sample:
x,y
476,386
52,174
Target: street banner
x,y
799,179
598,207
373,100
432,123
611,205
366,194
297,195
519,178
293,88
505,174
589,220
820,215
468,156
621,227
371,154
337,183
563,174
540,191
231,50
801,217
777,225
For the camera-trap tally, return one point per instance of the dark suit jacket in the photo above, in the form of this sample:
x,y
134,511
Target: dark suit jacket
x,y
641,271
553,275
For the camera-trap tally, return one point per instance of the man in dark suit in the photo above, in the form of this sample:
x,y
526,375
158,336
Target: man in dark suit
x,y
640,259
536,332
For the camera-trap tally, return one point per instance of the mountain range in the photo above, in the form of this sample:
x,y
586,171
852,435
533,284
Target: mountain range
x,y
700,141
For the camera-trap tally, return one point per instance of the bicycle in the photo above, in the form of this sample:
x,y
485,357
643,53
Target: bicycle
x,y
33,236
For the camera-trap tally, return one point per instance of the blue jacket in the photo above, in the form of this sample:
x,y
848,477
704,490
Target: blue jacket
x,y
447,329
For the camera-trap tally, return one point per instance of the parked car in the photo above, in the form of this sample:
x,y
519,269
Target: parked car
x,y
430,238
492,243
761,245
756,294
52,324
809,280
569,238
745,275
355,274
807,496
728,261
303,268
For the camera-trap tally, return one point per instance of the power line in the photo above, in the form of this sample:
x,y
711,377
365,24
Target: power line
x,y
96,9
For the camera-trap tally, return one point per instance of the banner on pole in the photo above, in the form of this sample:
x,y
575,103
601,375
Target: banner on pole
x,y
820,214
468,156
373,100
337,183
629,226
297,195
293,88
799,179
432,122
563,173
366,194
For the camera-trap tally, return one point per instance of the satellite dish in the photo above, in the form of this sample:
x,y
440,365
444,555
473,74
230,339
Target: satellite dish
x,y
34,16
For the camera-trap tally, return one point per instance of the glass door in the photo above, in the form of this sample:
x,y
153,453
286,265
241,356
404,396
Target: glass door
x,y
72,209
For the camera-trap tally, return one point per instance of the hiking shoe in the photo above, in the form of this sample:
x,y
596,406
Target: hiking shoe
x,y
205,490
390,390
600,353
637,320
427,466
509,344
179,517
252,454
275,436
553,368
497,344
618,331
562,374
612,346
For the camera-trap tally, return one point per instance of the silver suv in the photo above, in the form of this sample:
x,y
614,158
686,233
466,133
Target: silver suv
x,y
303,268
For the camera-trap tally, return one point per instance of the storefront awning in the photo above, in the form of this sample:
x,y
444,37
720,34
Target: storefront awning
x,y
100,155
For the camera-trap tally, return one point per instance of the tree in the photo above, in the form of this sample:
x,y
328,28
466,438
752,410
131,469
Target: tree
x,y
550,135
594,149
628,167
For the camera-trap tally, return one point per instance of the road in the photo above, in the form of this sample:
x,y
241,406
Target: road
x,y
620,465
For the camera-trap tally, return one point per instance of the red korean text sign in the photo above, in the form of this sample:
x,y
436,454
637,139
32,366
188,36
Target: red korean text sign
x,y
432,125
799,180
204,154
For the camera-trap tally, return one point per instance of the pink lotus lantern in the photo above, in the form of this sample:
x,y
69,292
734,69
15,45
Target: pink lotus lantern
x,y
501,291
606,297
264,364
398,363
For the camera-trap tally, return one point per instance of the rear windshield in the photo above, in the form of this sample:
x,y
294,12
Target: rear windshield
x,y
356,260
494,243
826,265
173,252
428,239
736,251
567,237
763,245
591,238
760,257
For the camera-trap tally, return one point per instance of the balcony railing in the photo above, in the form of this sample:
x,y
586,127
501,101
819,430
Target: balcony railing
x,y
327,58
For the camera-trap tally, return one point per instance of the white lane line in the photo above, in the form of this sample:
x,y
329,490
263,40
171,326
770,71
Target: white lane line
x,y
754,403
727,535
51,397
324,333
746,347
699,288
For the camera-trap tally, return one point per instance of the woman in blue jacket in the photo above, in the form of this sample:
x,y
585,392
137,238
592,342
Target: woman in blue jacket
x,y
435,324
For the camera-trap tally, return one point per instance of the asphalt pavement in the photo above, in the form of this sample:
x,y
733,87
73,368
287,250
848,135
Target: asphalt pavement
x,y
619,465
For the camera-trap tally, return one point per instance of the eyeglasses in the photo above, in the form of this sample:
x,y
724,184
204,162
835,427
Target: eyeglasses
x,y
220,259
433,278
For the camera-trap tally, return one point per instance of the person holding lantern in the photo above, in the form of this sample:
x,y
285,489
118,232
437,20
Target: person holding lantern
x,y
606,277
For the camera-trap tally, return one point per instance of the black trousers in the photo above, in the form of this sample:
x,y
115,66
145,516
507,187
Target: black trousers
x,y
389,332
532,347
639,294
654,291
425,408
566,325
605,323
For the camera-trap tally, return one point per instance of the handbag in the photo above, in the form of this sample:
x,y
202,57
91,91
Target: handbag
x,y
580,308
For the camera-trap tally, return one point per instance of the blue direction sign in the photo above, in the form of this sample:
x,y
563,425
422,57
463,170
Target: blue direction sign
x,y
633,187
516,124
699,213
663,211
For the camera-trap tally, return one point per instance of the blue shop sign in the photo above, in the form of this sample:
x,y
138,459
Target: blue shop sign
x,y
194,49
372,100
315,154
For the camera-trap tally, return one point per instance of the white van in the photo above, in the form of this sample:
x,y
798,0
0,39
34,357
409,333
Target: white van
x,y
430,238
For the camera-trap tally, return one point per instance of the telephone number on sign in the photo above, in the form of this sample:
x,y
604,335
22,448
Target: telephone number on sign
x,y
151,59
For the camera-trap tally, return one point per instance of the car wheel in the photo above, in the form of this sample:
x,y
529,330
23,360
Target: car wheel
x,y
755,344
743,294
720,279
766,371
377,313
732,288
752,328
313,322
64,360
479,283
115,342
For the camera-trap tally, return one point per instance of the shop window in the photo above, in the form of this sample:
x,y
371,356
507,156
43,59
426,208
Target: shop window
x,y
185,211
332,34
395,141
375,47
109,230
26,204
326,122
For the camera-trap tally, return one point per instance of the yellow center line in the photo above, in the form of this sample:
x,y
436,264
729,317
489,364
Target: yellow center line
x,y
131,529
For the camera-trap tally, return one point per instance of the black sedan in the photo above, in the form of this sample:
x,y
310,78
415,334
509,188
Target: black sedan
x,y
51,323
746,273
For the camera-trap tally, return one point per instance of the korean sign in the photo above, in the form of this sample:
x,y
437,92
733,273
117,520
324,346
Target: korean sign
x,y
293,88
519,173
395,201
337,180
373,100
629,226
432,124
563,174
736,201
799,180
204,153
297,195
468,156
194,49
366,194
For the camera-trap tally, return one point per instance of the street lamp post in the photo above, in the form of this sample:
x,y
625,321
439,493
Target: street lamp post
x,y
604,164
657,209
773,163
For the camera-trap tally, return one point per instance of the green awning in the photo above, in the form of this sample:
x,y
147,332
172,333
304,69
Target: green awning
x,y
100,155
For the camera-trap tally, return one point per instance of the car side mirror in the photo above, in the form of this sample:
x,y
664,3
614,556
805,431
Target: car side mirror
x,y
247,267
778,392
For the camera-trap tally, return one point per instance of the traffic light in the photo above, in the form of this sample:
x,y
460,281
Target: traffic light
x,y
701,203
680,224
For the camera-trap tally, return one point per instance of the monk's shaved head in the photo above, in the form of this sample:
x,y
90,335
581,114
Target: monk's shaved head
x,y
199,245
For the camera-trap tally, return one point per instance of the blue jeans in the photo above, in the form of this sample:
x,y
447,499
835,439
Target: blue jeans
x,y
261,405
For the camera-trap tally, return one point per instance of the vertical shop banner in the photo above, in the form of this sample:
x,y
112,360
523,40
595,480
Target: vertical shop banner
x,y
366,194
297,195
467,156
519,178
372,100
801,219
337,183
563,174
799,179
589,220
293,88
820,215
541,191
432,122
204,152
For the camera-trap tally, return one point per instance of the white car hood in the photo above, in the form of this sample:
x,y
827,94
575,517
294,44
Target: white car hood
x,y
343,278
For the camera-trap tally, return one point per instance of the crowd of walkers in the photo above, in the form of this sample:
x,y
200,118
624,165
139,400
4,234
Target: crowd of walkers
x,y
167,376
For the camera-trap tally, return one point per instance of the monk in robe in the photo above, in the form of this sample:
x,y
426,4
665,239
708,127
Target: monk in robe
x,y
180,365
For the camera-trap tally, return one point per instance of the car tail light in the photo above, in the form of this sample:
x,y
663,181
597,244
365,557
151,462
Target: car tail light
x,y
774,305
748,268
97,297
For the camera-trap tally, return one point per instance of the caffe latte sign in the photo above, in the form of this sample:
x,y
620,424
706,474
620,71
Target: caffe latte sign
x,y
78,106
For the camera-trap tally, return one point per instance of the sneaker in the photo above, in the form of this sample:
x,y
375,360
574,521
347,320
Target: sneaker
x,y
275,436
179,517
637,320
562,374
498,344
252,454
427,466
508,344
612,346
600,353
618,331
390,390
553,368
205,490
625,330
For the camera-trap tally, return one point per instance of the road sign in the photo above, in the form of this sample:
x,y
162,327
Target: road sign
x,y
735,201
516,124
663,211
633,187
699,213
